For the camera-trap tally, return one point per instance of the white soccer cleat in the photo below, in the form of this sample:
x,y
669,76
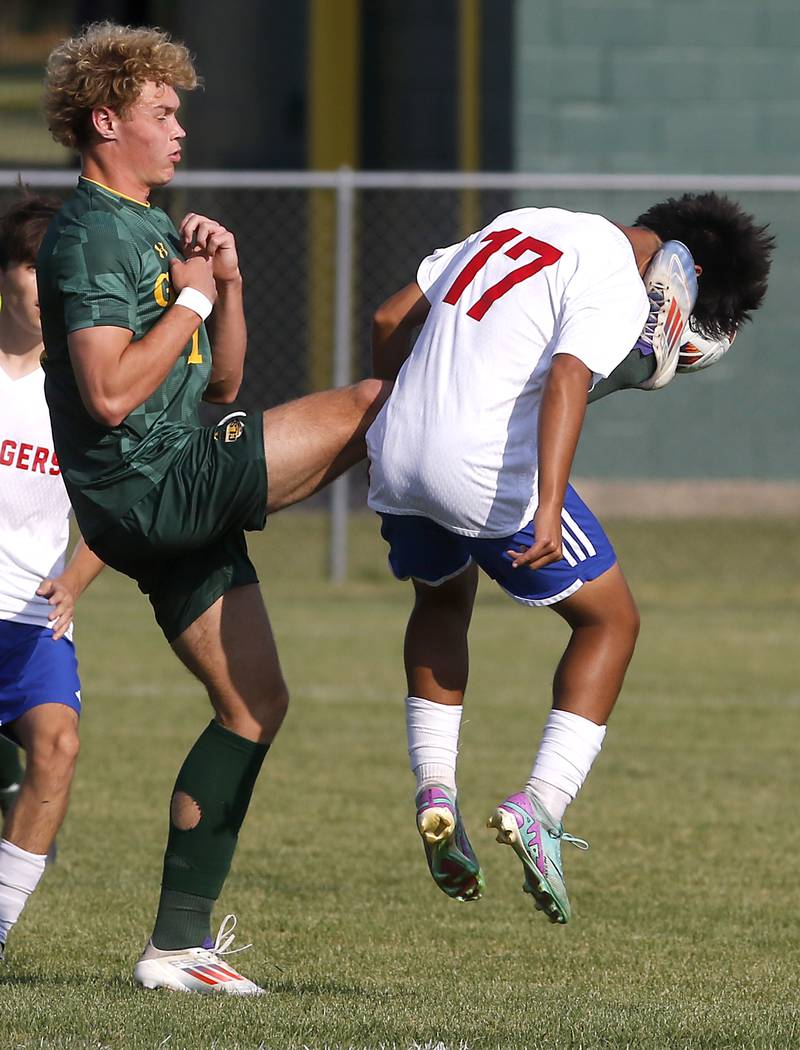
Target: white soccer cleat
x,y
671,285
199,970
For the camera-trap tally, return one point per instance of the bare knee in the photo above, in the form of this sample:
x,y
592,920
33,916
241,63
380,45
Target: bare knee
x,y
619,621
256,713
55,752
621,618
266,701
454,598
276,701
604,604
370,395
633,622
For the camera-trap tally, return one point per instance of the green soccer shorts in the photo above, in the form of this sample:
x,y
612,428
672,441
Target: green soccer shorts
x,y
184,541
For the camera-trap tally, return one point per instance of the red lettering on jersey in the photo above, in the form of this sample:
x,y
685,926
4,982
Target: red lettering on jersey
x,y
7,452
24,455
19,456
40,458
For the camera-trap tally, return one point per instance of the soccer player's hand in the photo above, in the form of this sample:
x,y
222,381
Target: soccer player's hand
x,y
547,543
203,236
197,272
62,599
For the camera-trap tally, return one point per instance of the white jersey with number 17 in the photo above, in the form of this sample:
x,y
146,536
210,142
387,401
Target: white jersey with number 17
x,y
457,440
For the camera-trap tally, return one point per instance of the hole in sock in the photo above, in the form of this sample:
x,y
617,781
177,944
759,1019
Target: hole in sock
x,y
184,812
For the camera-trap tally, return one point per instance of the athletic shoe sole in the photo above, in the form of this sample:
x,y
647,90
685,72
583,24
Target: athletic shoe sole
x,y
436,825
437,828
152,979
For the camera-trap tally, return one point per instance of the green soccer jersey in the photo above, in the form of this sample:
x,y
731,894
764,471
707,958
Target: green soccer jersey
x,y
105,261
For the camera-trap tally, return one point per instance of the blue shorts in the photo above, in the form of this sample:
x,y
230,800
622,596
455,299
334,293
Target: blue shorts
x,y
422,550
35,670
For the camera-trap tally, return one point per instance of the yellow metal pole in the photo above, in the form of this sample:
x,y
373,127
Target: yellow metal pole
x,y
333,133
469,106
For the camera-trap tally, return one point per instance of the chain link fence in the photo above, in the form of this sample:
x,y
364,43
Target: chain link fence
x,y
319,251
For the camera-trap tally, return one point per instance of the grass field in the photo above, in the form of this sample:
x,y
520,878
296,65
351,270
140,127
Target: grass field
x,y
686,928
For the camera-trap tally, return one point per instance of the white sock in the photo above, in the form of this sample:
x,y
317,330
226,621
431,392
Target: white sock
x,y
569,746
432,741
20,872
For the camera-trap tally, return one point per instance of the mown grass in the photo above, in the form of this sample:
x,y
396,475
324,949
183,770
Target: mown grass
x,y
686,929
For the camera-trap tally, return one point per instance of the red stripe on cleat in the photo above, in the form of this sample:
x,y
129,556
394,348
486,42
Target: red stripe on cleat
x,y
670,319
674,324
229,974
201,976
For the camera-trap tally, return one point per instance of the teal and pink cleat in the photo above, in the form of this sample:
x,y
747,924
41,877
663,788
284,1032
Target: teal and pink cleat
x,y
451,858
523,823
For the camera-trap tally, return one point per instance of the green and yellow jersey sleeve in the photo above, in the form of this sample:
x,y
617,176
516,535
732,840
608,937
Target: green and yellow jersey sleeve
x,y
97,269
105,262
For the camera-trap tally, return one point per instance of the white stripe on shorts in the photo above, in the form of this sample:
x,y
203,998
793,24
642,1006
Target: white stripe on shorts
x,y
538,603
579,532
442,579
578,551
565,553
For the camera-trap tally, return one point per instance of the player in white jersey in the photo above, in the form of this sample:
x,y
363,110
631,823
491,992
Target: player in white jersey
x,y
39,686
470,463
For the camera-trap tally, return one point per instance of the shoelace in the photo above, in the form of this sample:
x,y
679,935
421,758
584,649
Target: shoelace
x,y
565,836
656,297
225,936
224,939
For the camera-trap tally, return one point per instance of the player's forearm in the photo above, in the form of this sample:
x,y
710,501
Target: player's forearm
x,y
393,325
390,348
560,421
229,342
84,566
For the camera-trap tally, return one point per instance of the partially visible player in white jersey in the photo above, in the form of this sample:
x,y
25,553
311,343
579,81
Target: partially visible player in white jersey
x,y
39,687
470,463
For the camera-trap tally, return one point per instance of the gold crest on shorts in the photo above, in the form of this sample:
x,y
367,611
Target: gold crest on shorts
x,y
233,430
229,430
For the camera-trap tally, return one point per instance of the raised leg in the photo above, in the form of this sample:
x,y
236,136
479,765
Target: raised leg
x,y
310,442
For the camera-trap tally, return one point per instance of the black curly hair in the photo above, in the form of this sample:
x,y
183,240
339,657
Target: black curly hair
x,y
733,250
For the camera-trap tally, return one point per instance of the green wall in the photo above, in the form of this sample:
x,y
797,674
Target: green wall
x,y
709,87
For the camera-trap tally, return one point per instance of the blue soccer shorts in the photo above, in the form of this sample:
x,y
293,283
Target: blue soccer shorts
x,y
35,670
422,550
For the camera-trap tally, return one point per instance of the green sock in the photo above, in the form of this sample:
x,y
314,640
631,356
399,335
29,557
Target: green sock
x,y
631,372
209,803
11,773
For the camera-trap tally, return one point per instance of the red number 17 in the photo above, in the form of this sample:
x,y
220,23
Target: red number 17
x,y
547,256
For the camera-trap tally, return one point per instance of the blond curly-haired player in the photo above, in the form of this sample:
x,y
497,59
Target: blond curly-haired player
x,y
125,297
